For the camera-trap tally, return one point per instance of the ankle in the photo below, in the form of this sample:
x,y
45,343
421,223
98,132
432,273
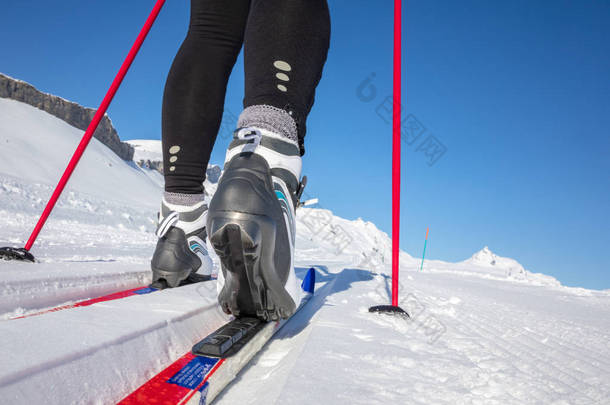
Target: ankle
x,y
269,118
182,201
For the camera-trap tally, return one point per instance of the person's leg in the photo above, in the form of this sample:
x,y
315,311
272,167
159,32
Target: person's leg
x,y
192,112
195,91
251,219
285,48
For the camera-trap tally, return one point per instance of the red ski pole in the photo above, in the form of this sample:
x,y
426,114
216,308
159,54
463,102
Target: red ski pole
x,y
23,254
396,107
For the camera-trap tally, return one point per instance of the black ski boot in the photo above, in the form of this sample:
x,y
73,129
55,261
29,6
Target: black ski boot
x,y
252,225
181,250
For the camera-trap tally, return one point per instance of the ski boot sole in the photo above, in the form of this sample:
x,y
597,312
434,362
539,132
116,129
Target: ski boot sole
x,y
171,278
161,283
252,287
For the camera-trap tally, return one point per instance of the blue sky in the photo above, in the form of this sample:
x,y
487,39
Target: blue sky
x,y
517,94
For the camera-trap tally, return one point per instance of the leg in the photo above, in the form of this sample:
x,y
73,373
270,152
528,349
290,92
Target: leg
x,y
251,219
195,91
285,48
192,111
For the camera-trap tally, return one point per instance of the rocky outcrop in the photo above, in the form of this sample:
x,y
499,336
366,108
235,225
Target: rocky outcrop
x,y
150,164
72,113
213,173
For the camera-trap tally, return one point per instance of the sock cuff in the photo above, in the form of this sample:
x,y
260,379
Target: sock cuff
x,y
270,118
183,199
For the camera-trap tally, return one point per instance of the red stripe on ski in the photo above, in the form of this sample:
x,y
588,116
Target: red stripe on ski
x,y
85,303
159,389
110,297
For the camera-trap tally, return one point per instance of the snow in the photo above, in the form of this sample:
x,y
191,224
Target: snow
x,y
146,149
484,330
37,146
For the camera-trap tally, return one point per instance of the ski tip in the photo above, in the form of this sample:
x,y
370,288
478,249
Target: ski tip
x,y
309,282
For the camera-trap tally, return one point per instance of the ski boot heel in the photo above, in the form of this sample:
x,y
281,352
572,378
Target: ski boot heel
x,y
252,225
251,285
171,263
238,252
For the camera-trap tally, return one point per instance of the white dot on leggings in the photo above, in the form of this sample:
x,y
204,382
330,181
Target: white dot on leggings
x,y
281,65
173,159
174,149
282,76
171,169
282,87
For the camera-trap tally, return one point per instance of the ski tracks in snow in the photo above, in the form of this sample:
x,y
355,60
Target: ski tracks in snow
x,y
471,341
544,363
512,344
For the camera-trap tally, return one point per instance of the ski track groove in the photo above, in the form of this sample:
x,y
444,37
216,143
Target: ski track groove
x,y
62,360
71,290
545,366
518,355
592,362
572,343
578,377
486,347
478,391
516,360
569,350
494,350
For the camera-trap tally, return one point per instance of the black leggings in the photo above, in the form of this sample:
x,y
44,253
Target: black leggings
x,y
292,31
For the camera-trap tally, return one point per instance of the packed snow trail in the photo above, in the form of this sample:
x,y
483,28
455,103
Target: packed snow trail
x,y
484,330
471,340
199,375
76,355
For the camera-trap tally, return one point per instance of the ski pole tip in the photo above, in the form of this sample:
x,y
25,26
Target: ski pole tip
x,y
19,254
390,310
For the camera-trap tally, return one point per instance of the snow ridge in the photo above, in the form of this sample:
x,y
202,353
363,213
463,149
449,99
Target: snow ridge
x,y
487,258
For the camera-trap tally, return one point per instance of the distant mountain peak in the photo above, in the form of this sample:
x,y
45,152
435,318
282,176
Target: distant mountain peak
x,y
487,259
485,256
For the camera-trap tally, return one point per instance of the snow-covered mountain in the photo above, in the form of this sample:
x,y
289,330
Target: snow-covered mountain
x,y
503,265
146,150
484,330
35,147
